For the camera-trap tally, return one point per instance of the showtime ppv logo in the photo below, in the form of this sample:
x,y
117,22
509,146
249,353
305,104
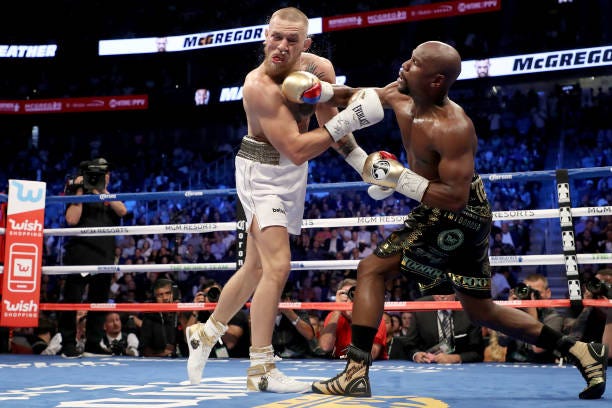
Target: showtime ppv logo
x,y
22,306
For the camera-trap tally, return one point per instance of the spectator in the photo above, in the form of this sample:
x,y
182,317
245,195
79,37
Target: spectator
x,y
334,244
443,337
235,341
292,330
116,342
500,287
158,334
535,286
335,336
407,319
42,335
396,325
389,326
55,344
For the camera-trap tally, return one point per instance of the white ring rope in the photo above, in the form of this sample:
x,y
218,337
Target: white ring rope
x,y
310,265
535,260
309,223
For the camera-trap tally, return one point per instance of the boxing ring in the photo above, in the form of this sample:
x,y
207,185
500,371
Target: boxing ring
x,y
51,381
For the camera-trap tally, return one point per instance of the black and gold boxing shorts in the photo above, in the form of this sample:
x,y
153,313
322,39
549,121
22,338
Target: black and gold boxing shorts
x,y
446,251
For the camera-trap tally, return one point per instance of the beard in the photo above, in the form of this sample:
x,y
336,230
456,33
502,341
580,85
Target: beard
x,y
277,71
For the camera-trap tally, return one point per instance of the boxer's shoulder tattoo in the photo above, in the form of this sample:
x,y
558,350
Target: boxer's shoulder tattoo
x,y
313,68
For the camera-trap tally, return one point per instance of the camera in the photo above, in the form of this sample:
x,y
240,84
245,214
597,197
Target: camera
x,y
71,187
117,347
599,288
94,174
213,294
351,292
176,293
94,177
523,292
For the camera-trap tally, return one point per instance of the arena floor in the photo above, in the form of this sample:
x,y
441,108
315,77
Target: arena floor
x,y
43,381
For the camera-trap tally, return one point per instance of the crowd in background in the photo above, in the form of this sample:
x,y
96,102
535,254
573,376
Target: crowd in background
x,y
519,130
515,136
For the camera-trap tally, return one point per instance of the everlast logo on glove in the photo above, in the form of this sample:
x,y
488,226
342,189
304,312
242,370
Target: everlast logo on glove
x,y
363,120
364,109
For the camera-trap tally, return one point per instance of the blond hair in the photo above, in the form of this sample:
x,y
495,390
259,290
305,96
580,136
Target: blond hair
x,y
347,282
291,14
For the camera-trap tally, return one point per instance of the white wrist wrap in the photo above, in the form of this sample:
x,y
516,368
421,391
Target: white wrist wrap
x,y
327,91
412,185
356,159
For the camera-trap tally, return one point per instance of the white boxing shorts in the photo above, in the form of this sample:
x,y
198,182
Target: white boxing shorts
x,y
270,186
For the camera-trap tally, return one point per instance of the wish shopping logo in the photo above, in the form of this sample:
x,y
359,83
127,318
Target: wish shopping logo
x,y
27,192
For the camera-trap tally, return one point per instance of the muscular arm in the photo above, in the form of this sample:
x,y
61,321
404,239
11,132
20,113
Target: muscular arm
x,y
455,169
75,210
323,69
327,337
270,119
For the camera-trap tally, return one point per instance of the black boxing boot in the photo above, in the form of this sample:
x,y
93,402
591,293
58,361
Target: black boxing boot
x,y
353,381
592,361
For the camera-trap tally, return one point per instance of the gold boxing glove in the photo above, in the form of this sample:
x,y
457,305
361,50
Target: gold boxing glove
x,y
383,169
304,87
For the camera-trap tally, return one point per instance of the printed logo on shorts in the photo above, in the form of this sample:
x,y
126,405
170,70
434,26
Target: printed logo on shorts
x,y
450,239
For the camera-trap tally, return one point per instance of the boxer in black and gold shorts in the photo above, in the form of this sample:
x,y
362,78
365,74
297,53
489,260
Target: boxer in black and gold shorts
x,y
443,245
444,250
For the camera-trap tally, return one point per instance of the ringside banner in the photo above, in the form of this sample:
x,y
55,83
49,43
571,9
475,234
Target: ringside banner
x,y
408,14
220,38
317,25
23,253
66,105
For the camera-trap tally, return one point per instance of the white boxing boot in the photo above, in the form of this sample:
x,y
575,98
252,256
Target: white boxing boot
x,y
264,376
201,338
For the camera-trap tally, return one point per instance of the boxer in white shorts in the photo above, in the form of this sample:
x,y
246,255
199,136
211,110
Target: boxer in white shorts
x,y
271,177
274,193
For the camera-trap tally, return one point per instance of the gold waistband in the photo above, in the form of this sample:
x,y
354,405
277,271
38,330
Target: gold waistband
x,y
260,152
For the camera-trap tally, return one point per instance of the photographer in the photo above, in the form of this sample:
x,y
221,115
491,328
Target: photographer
x,y
292,331
116,342
533,287
235,342
336,334
93,178
595,323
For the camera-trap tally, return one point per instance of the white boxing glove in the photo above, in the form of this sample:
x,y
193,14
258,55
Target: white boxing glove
x,y
304,87
364,110
383,169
